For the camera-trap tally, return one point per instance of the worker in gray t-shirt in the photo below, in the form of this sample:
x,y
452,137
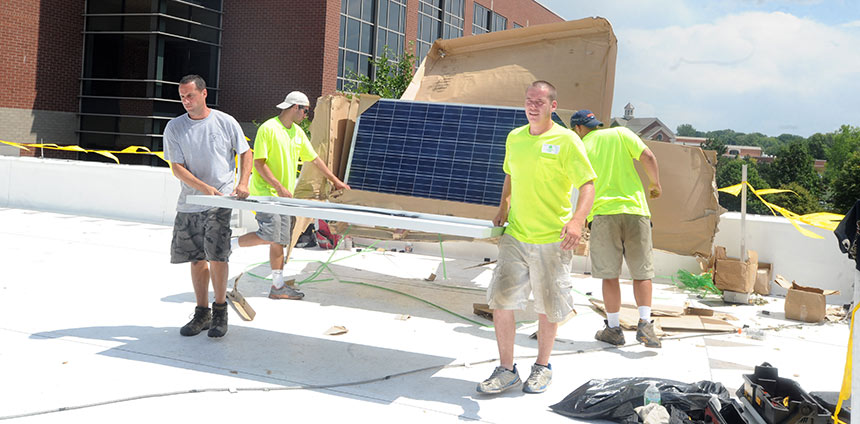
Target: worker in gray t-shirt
x,y
200,146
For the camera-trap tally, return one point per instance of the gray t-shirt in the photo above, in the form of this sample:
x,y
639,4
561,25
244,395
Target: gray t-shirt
x,y
207,148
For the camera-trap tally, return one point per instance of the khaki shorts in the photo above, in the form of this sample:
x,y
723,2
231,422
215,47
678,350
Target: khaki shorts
x,y
617,236
274,228
540,269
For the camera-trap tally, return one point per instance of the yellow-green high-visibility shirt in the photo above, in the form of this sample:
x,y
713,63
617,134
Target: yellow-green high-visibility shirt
x,y
544,169
281,147
618,189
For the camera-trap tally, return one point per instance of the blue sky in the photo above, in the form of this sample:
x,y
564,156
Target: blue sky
x,y
769,66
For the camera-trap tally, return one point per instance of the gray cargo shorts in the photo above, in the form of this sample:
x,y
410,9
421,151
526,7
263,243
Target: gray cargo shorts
x,y
199,236
540,269
274,228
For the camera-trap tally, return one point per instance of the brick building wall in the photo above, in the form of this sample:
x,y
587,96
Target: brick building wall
x,y
40,54
40,63
271,47
523,12
412,24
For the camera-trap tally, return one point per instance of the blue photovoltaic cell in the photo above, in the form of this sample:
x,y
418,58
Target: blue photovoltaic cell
x,y
434,150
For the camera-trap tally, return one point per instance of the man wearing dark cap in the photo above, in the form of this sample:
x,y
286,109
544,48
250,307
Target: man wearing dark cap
x,y
620,221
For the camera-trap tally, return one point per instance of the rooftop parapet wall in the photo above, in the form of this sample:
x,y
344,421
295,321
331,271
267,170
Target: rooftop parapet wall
x,y
147,194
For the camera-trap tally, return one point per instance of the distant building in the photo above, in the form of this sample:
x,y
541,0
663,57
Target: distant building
x,y
103,74
690,141
646,128
743,151
819,165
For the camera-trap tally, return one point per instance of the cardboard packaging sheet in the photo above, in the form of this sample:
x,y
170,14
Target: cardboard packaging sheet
x,y
578,57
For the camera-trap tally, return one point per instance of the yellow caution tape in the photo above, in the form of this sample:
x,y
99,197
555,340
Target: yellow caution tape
x,y
140,150
135,150
824,220
845,391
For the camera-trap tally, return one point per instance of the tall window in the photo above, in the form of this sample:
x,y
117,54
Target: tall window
x,y
135,53
438,19
366,27
485,20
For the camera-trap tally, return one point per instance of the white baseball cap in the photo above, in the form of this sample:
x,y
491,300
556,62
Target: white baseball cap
x,y
294,98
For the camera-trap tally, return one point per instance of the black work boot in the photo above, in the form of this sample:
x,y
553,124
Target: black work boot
x,y
201,321
219,320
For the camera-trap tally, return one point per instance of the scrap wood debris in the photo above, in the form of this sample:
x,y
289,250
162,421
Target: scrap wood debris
x,y
336,330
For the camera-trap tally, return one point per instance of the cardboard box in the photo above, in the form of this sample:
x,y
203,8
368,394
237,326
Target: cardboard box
x,y
763,277
733,274
804,303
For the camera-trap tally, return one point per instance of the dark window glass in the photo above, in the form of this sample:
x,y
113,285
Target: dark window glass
x,y
119,56
366,38
211,4
354,8
181,58
105,6
350,63
500,23
207,17
367,10
382,15
394,16
352,34
138,6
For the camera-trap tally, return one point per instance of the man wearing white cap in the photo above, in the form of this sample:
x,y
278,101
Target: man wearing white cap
x,y
279,144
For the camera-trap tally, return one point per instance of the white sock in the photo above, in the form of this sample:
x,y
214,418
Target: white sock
x,y
234,243
278,278
645,313
613,319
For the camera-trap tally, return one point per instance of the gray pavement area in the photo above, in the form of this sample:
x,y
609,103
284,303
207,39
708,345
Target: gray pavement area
x,y
91,310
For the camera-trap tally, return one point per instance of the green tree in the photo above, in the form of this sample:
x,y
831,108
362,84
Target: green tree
x,y
845,189
845,141
729,173
801,203
726,136
818,144
716,145
789,138
767,144
390,77
687,130
794,164
306,126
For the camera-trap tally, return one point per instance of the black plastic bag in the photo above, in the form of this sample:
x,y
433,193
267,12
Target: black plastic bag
x,y
614,399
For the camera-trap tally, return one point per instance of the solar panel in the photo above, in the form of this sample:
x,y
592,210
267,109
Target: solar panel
x,y
434,150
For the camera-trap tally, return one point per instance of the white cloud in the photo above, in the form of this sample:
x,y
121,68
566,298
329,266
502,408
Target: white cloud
x,y
755,62
745,53
852,24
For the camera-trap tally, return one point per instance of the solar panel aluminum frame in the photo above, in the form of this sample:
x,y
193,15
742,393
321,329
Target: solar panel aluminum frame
x,y
484,190
360,215
493,201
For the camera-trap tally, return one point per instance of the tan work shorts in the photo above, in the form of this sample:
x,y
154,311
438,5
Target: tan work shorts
x,y
617,236
540,269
